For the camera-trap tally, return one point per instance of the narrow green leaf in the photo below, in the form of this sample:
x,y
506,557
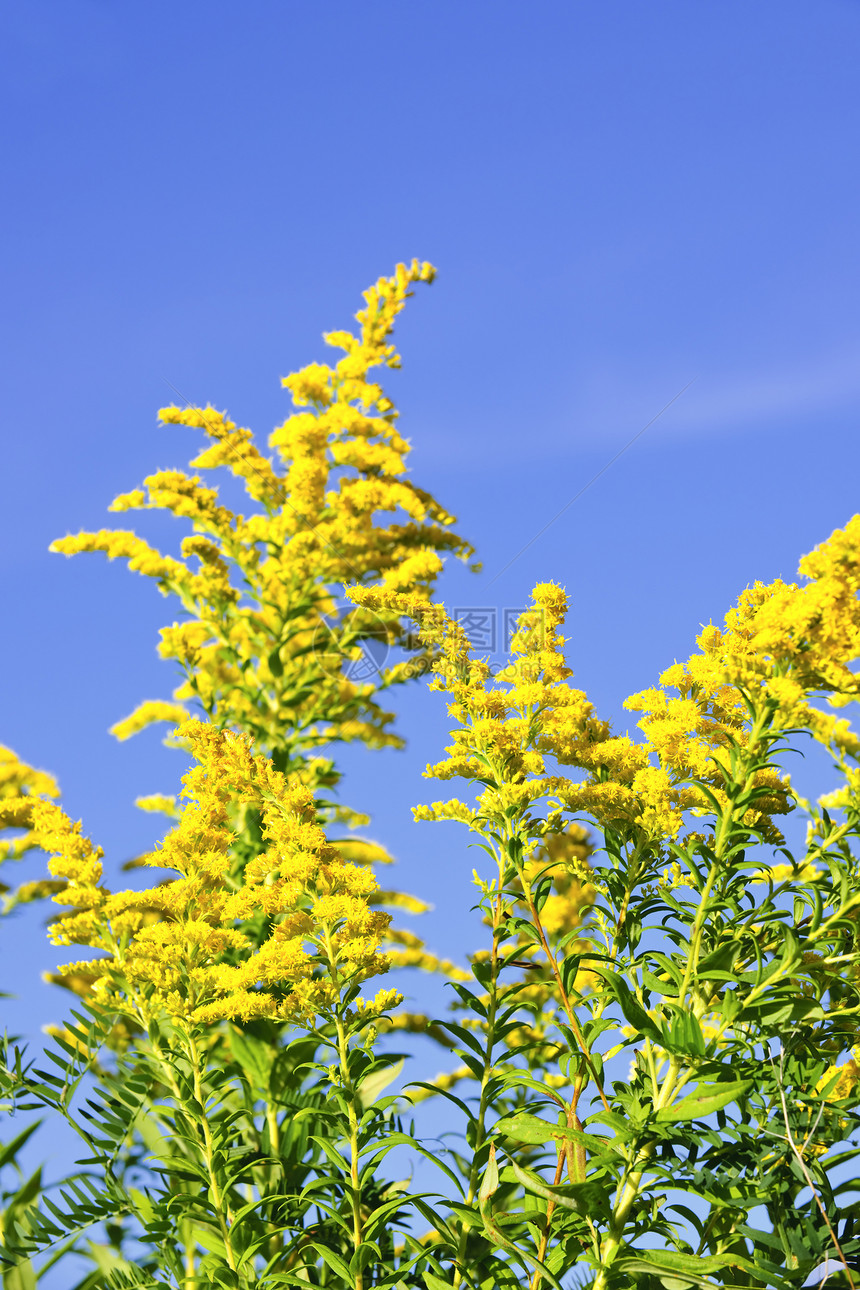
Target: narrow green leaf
x,y
582,1198
706,1099
334,1261
527,1128
9,1150
370,1088
675,1270
435,1283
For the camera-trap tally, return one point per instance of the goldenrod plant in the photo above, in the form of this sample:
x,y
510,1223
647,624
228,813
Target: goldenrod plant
x,y
653,1060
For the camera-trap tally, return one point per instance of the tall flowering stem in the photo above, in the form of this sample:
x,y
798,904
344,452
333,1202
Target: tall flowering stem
x,y
265,644
668,997
290,938
688,951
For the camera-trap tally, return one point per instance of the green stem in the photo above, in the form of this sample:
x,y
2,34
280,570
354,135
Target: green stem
x,y
573,1121
351,1096
565,999
351,1101
726,825
675,1077
629,1189
196,1116
484,1102
222,1206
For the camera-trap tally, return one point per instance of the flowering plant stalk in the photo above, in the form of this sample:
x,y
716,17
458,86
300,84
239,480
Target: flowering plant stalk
x,y
272,658
656,1074
728,983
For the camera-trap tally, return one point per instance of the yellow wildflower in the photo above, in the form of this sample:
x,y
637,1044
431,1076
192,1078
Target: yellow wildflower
x,y
146,714
177,947
275,660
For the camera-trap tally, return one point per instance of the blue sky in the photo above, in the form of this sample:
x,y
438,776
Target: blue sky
x,y
621,198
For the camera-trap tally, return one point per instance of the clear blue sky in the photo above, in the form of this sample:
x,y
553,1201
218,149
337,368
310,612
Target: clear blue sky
x,y
621,198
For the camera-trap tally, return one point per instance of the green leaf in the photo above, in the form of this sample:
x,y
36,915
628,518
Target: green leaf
x,y
9,1150
527,1128
366,1251
254,1057
490,1181
334,1261
210,1240
20,1277
107,1260
372,1086
685,1035
676,1271
582,1198
435,1283
706,1099
630,1006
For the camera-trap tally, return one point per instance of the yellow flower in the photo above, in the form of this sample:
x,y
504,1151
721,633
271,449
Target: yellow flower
x,y
20,786
508,728
848,1077
263,643
804,874
146,714
193,946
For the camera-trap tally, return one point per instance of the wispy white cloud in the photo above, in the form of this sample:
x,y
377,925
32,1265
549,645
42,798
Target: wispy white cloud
x,y
737,401
614,409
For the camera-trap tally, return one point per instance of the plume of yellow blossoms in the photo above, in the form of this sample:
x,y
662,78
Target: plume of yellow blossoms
x,y
21,786
780,646
284,941
516,731
262,646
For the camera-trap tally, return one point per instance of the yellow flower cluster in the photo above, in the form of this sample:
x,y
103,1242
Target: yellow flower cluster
x,y
782,643
512,728
146,714
21,786
17,779
263,644
122,544
848,1077
282,940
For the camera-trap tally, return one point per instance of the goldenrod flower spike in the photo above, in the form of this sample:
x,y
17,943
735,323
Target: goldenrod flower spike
x,y
512,728
177,948
780,645
261,643
146,714
21,787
